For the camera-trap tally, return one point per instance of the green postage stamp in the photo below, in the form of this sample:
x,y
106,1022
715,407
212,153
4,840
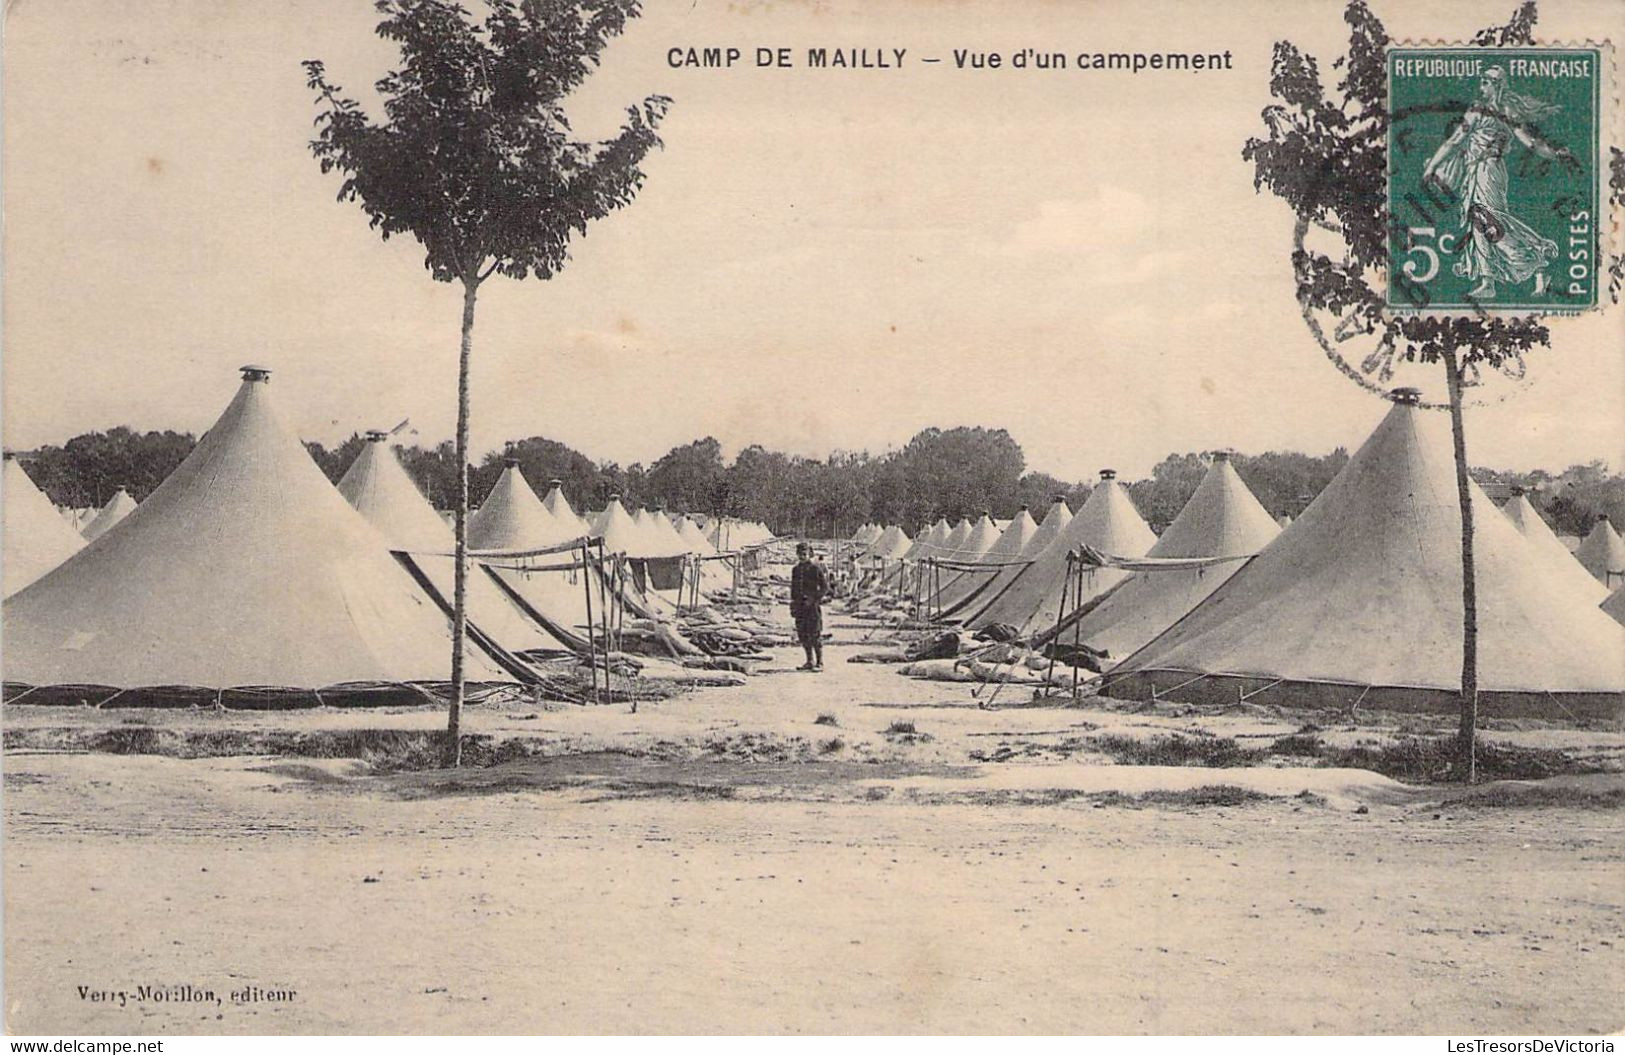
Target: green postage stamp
x,y
1494,178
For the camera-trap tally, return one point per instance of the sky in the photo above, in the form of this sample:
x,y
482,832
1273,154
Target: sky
x,y
820,259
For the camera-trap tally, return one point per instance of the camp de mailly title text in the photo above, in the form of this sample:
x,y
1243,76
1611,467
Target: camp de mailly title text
x,y
763,57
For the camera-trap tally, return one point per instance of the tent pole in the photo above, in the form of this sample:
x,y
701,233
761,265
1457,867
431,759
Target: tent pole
x,y
592,645
1076,632
1066,586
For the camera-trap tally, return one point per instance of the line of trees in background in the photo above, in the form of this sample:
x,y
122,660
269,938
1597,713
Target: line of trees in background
x,y
940,473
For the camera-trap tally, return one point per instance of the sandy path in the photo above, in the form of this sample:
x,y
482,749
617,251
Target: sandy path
x,y
583,910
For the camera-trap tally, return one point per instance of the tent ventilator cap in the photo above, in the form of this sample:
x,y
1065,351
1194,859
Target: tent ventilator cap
x,y
1408,396
255,373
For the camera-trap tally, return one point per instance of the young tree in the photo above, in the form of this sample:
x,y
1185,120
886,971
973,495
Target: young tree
x,y
1326,157
474,157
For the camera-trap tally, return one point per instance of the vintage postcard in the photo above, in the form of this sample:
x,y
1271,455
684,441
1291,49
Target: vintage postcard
x,y
604,517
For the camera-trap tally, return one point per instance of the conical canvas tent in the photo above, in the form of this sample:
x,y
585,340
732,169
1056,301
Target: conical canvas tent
x,y
937,579
244,569
927,543
1049,529
1359,603
1012,540
1572,574
1222,518
891,545
618,530
562,511
36,538
377,485
665,534
1107,522
117,508
512,518
1603,554
696,541
1615,605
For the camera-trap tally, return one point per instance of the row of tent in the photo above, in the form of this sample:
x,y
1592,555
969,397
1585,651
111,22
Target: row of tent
x,y
1357,600
247,568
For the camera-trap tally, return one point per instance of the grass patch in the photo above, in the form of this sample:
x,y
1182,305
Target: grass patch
x,y
1206,795
901,728
826,719
1298,745
829,747
1176,750
1429,759
1515,796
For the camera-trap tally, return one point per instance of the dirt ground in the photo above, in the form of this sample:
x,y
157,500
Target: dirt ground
x,y
728,862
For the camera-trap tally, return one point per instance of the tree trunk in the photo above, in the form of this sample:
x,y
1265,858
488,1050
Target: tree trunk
x,y
459,609
1466,762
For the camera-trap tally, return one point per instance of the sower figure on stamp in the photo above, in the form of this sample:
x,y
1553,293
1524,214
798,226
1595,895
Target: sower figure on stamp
x,y
1471,164
808,588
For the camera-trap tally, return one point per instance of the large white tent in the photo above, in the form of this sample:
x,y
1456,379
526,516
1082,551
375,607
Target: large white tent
x,y
244,568
117,508
37,539
1107,522
1360,603
1222,518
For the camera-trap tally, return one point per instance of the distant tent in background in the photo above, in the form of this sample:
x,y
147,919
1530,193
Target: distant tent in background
x,y
659,538
928,543
978,540
697,543
1222,518
956,539
1049,529
117,508
1603,553
891,545
37,539
1615,605
621,532
377,485
560,507
1012,540
1283,521
244,570
512,518
1359,603
1571,573
1107,522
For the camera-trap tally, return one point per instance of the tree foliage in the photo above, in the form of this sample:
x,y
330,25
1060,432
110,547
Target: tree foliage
x,y
89,468
475,157
831,496
1325,154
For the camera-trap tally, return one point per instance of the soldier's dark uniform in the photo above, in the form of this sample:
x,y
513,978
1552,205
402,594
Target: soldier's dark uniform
x,y
809,585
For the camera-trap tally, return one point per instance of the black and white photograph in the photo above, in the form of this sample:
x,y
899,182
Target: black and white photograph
x,y
598,518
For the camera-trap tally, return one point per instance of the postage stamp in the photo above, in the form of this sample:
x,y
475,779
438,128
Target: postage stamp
x,y
1494,166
